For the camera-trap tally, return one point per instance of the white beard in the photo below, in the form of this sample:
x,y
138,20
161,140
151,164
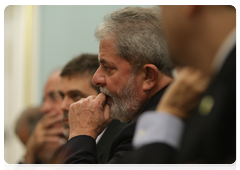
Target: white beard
x,y
125,105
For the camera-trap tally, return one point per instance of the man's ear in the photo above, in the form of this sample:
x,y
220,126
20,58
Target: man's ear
x,y
150,76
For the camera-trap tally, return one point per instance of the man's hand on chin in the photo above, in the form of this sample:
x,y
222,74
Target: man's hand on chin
x,y
89,116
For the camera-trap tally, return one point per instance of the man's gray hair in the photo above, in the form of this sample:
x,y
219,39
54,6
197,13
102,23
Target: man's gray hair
x,y
138,37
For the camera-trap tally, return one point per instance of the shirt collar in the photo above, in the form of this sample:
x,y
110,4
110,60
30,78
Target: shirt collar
x,y
223,51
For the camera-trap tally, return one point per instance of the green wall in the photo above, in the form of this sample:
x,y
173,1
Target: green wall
x,y
65,32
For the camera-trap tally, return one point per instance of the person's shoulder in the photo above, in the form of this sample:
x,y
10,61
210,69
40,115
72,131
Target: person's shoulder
x,y
117,123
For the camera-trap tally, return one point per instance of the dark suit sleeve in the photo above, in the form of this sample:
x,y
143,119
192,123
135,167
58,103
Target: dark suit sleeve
x,y
79,150
80,153
155,153
121,152
82,150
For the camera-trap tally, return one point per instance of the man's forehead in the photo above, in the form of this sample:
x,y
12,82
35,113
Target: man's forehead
x,y
108,55
107,46
76,81
51,88
109,58
52,84
76,77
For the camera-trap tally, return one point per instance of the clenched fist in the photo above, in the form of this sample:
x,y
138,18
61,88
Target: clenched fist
x,y
89,116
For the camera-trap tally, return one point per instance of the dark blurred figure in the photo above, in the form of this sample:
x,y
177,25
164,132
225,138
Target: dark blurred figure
x,y
27,122
206,37
48,133
203,37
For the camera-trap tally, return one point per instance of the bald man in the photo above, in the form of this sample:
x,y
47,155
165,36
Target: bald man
x,y
48,133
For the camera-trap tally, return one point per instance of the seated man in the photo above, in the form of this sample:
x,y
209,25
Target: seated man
x,y
134,71
76,83
48,133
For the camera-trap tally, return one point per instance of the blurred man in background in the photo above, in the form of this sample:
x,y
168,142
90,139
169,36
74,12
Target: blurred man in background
x,y
26,123
48,133
202,37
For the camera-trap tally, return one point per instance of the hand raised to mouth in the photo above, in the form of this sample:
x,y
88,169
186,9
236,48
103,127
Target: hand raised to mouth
x,y
184,93
89,116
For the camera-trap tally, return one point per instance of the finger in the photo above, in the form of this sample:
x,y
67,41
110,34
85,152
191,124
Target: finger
x,y
49,114
52,139
102,98
54,131
92,97
185,70
198,78
52,120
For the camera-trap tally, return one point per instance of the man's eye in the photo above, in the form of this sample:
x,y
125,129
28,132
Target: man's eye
x,y
105,67
61,95
76,97
54,96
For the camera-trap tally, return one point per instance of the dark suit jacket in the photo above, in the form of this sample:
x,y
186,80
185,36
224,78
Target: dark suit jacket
x,y
82,149
103,145
211,136
210,140
105,142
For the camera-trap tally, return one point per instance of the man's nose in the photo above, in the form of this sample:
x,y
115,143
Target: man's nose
x,y
65,104
99,78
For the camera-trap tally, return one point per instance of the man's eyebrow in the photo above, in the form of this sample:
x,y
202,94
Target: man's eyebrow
x,y
102,61
52,93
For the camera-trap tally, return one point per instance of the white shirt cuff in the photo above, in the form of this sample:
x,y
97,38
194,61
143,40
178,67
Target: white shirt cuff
x,y
155,127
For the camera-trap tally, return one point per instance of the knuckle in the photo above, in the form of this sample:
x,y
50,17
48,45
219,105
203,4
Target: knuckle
x,y
183,81
91,96
75,105
98,103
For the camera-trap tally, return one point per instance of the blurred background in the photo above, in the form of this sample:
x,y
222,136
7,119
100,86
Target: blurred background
x,y
37,41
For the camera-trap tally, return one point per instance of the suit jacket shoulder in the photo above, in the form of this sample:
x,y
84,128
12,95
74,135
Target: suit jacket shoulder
x,y
210,135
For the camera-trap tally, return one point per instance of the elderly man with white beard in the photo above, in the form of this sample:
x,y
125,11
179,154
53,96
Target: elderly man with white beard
x,y
133,74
